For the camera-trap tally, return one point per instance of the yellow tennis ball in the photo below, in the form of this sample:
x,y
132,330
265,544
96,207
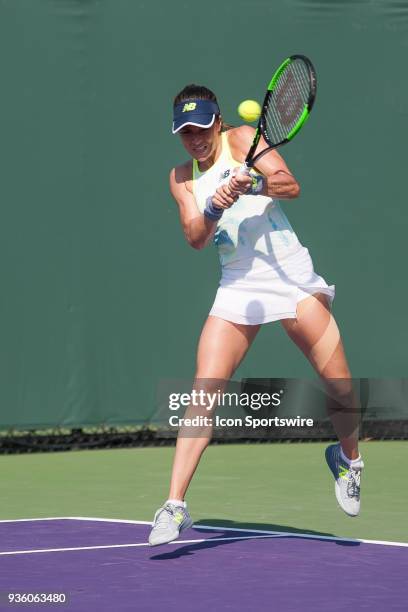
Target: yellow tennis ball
x,y
249,110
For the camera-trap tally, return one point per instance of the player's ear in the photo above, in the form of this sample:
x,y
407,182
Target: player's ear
x,y
219,127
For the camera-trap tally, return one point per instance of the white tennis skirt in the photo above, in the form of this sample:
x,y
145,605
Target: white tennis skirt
x,y
267,290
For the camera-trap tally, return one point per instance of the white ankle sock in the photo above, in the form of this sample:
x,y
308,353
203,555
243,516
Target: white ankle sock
x,y
177,502
349,461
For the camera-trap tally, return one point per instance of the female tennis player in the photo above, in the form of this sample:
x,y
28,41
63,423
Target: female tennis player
x,y
267,275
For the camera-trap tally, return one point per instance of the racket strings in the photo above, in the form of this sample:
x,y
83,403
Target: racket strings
x,y
287,101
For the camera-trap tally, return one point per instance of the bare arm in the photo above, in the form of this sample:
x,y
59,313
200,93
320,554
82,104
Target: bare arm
x,y
280,182
198,228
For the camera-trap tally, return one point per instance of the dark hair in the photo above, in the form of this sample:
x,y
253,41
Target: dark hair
x,y
199,92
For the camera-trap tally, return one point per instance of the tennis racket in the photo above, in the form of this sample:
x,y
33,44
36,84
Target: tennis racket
x,y
287,105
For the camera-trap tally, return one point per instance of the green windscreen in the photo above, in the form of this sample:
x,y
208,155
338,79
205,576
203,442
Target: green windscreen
x,y
102,297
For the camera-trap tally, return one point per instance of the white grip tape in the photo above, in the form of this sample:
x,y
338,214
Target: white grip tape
x,y
244,169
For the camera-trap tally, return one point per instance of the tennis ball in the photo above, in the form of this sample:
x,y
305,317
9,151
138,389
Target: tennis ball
x,y
249,110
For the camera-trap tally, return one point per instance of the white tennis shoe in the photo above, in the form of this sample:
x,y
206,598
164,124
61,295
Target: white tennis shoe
x,y
347,480
169,521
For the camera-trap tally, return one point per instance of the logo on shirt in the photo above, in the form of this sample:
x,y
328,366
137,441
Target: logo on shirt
x,y
225,174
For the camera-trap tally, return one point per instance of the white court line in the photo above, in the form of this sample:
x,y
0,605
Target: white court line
x,y
217,528
45,550
75,518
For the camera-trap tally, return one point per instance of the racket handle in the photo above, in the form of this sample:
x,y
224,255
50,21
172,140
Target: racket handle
x,y
244,169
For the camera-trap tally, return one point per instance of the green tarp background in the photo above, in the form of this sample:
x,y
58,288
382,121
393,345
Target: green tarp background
x,y
101,297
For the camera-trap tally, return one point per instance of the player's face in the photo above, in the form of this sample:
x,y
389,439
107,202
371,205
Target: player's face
x,y
201,143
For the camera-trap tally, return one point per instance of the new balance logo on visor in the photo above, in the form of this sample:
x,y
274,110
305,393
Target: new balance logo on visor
x,y
190,106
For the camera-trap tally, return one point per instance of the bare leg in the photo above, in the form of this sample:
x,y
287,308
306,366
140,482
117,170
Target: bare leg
x,y
316,333
221,348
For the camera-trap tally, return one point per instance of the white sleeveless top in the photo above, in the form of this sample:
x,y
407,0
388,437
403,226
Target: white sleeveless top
x,y
254,233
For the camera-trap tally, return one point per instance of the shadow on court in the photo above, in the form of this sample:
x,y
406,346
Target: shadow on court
x,y
230,536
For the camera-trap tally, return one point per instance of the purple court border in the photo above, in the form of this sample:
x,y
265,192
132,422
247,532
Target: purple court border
x,y
107,564
209,527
